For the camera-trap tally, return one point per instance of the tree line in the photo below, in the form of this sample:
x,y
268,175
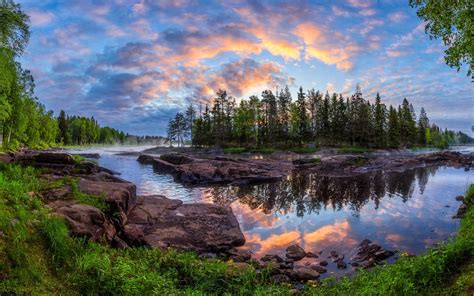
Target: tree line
x,y
276,120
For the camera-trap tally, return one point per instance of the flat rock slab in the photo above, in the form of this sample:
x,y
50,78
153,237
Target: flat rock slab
x,y
160,222
218,170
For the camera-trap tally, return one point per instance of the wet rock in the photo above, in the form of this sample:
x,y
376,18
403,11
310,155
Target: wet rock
x,y
459,198
176,158
146,159
318,268
341,264
271,257
286,265
383,254
372,247
279,279
239,255
306,274
199,227
295,252
311,255
364,243
323,263
205,171
463,208
334,254
354,264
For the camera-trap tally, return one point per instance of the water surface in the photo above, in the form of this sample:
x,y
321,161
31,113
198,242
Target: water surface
x,y
406,211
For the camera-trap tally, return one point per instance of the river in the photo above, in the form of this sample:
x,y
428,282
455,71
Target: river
x,y
406,211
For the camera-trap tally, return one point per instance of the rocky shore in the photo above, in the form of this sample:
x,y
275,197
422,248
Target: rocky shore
x,y
200,170
126,219
100,206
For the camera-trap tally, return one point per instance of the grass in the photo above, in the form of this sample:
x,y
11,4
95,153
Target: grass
x,y
38,257
353,150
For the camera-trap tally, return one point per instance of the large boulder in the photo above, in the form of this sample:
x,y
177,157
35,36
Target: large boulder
x,y
218,170
84,220
295,252
160,222
120,197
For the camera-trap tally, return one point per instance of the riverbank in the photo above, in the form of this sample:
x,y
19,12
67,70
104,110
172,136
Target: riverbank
x,y
73,266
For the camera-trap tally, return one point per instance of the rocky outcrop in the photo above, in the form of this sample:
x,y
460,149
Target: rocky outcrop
x,y
84,220
369,254
295,252
218,170
160,222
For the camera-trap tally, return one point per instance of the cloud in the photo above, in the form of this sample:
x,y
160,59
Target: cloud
x,y
40,18
397,16
360,3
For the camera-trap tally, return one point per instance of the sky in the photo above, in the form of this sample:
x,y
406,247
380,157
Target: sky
x,y
132,64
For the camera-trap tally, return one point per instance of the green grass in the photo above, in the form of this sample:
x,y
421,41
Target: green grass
x,y
353,150
38,257
235,150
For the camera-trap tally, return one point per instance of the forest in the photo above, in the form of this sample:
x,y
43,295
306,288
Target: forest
x,y
24,121
276,120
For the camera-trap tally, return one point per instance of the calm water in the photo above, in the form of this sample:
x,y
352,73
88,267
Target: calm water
x,y
401,211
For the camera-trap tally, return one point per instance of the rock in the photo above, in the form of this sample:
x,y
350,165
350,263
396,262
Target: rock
x,y
176,158
239,266
239,255
272,267
383,254
318,268
170,223
295,252
354,264
341,264
146,159
364,243
54,158
84,220
372,247
207,255
334,254
323,263
120,197
459,198
463,208
306,274
203,171
286,265
311,255
279,279
271,257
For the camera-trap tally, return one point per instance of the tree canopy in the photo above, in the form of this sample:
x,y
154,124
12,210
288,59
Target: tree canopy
x,y
453,22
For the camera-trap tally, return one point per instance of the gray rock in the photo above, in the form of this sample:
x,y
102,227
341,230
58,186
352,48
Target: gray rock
x,y
318,268
279,279
341,264
306,274
295,252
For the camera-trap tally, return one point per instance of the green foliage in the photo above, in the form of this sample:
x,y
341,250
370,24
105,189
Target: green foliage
x,y
304,150
452,22
275,121
87,199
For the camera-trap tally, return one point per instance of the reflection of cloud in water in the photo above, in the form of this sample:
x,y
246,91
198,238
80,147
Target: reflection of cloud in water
x,y
397,210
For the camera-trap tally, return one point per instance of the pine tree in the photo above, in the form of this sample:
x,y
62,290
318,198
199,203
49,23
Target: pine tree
x,y
379,122
302,116
423,126
393,133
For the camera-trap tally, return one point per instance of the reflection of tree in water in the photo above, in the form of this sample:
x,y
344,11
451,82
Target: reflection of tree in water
x,y
311,193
